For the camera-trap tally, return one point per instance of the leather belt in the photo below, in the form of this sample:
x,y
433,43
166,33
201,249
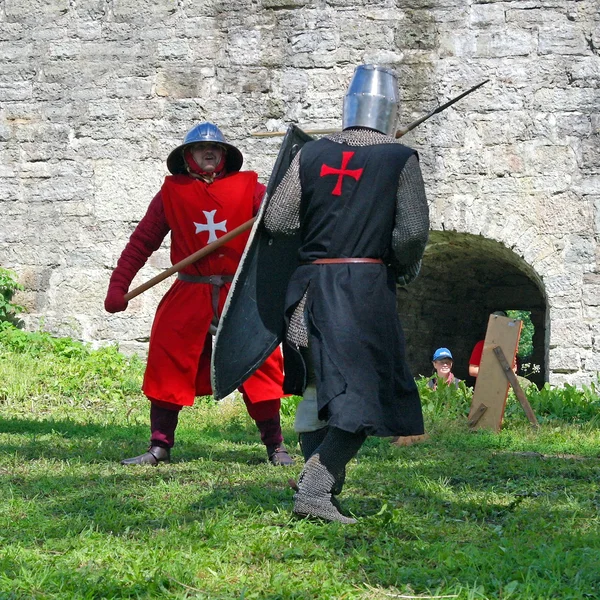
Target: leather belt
x,y
335,261
217,281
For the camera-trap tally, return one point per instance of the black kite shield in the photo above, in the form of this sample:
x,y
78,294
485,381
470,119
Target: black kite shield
x,y
252,324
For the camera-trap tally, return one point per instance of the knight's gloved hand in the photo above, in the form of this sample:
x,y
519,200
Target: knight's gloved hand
x,y
405,278
115,300
408,274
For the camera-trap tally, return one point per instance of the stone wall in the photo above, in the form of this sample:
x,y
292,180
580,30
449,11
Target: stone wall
x,y
95,93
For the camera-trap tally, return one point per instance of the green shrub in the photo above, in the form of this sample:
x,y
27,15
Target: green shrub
x,y
567,403
34,363
38,343
8,287
447,402
289,405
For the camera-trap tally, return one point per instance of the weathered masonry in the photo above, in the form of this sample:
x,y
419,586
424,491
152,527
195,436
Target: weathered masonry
x,y
95,93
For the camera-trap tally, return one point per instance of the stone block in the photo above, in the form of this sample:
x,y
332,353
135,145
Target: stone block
x,y
520,14
246,82
562,37
176,49
578,125
539,249
566,360
143,10
178,83
591,312
585,71
568,100
17,51
16,92
589,157
143,109
565,213
570,333
35,279
548,159
130,88
566,284
486,15
35,11
287,4
559,380
505,42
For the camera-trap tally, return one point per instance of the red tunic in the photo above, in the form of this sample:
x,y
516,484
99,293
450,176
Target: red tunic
x,y
178,367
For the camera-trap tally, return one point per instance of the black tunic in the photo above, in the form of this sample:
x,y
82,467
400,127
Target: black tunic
x,y
355,337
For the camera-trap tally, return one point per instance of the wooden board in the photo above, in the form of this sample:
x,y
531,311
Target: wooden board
x,y
491,387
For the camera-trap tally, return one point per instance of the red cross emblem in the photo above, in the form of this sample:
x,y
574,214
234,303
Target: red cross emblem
x,y
355,173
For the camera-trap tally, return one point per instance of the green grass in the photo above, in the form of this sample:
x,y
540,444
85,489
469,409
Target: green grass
x,y
465,515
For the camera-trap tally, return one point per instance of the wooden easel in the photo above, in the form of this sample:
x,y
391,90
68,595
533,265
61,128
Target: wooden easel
x,y
496,375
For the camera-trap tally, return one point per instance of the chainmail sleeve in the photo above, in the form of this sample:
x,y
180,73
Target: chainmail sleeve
x,y
282,218
282,214
411,228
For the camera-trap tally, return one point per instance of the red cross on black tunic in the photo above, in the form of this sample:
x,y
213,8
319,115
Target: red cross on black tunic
x,y
354,173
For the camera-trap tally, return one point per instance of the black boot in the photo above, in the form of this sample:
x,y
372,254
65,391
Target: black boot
x,y
154,455
278,455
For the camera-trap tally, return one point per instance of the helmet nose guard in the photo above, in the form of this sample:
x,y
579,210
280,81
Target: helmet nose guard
x,y
204,132
372,100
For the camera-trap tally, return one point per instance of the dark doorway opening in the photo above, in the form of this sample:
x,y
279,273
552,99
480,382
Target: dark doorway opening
x,y
464,278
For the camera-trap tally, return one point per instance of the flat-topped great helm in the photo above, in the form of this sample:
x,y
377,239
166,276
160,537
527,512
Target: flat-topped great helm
x,y
372,99
204,132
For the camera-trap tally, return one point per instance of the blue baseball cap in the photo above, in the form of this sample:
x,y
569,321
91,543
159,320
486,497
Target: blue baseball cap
x,y
442,353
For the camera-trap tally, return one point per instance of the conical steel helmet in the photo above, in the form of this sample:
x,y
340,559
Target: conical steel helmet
x,y
204,132
372,99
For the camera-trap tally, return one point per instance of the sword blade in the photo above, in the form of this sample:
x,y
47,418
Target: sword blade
x,y
437,110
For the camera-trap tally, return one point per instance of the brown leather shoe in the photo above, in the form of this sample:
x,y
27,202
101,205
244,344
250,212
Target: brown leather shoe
x,y
278,456
154,455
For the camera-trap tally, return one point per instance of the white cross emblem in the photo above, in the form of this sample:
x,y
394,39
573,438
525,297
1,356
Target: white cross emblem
x,y
210,225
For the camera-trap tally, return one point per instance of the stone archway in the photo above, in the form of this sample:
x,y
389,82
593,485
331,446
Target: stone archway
x,y
463,279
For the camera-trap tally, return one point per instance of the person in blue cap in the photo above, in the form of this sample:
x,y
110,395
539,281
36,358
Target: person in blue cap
x,y
442,363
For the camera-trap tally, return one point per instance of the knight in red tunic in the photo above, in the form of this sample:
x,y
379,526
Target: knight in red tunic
x,y
205,196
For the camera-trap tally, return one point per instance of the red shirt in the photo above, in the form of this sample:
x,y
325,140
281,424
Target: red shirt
x,y
476,354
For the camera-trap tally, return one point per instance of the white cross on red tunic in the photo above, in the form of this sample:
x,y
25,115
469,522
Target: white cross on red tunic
x,y
211,226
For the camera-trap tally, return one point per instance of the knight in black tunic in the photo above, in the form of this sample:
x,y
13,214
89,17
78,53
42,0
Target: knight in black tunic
x,y
357,198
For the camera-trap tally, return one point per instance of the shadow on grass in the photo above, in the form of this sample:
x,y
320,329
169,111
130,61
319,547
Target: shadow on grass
x,y
135,504
93,443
